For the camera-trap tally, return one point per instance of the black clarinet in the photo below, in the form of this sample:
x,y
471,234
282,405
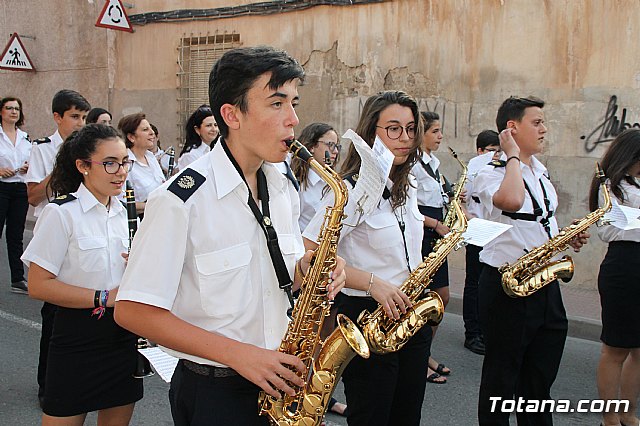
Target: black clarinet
x,y
143,367
172,158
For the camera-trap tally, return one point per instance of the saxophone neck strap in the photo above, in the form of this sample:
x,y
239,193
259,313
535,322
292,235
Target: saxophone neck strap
x,y
386,194
263,219
537,210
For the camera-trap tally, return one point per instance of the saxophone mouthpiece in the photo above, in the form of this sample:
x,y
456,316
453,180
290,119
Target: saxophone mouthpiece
x,y
455,155
298,150
600,173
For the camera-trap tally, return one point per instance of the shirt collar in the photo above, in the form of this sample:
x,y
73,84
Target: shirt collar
x,y
88,201
430,158
56,139
537,168
313,177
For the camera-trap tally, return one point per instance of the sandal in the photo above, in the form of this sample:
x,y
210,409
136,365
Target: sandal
x,y
440,369
433,378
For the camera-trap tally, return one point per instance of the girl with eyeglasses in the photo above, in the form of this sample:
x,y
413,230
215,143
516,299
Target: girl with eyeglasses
x,y
147,175
76,260
15,149
431,202
618,373
381,248
202,132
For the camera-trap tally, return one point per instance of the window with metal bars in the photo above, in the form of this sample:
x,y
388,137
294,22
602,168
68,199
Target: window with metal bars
x,y
196,56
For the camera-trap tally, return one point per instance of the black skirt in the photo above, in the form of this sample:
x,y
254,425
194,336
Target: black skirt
x,y
90,365
441,277
619,287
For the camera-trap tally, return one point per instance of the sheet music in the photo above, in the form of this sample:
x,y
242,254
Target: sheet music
x,y
163,363
375,166
623,217
481,232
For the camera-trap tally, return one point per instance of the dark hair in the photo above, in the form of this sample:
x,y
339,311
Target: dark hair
x,y
309,138
66,99
95,113
487,138
237,70
193,139
367,130
155,130
513,108
128,126
80,145
623,153
428,117
4,100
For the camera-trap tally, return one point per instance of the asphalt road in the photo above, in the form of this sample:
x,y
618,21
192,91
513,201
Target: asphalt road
x,y
453,403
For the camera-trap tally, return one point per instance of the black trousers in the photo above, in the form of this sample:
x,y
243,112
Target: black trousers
x,y
470,307
524,339
13,214
48,313
210,401
386,389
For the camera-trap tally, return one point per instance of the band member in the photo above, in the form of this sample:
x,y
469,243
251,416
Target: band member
x,y
619,367
15,148
487,141
524,337
202,131
70,110
380,249
431,202
75,262
140,138
211,296
322,141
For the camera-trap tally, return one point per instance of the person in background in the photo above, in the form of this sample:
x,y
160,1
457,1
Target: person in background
x,y
487,148
70,110
202,131
15,149
618,372
99,115
140,138
76,261
159,153
431,202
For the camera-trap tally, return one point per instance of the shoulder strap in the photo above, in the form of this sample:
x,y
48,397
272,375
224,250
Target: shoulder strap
x,y
186,184
63,199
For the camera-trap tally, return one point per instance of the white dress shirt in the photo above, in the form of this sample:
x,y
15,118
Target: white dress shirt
x,y
41,161
14,156
608,233
473,168
80,242
430,191
525,235
310,198
191,156
145,177
206,259
373,243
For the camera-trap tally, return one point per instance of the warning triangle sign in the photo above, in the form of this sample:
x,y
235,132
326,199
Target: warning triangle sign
x,y
114,17
15,56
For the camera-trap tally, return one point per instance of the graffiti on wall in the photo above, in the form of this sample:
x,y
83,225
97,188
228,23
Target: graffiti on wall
x,y
610,127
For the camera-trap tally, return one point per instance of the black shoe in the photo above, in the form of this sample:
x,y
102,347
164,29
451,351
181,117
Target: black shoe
x,y
19,287
475,345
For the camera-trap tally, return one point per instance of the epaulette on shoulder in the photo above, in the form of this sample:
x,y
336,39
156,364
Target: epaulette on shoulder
x,y
41,140
498,163
186,183
60,200
352,179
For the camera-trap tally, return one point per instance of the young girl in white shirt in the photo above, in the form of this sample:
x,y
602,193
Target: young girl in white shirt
x,y
76,261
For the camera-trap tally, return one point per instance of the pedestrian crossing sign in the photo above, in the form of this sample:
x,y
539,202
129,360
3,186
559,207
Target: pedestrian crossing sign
x,y
15,56
113,16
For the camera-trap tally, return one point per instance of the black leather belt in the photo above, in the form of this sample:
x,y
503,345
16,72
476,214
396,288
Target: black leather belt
x,y
209,370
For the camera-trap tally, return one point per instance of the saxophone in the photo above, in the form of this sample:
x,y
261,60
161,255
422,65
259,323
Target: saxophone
x,y
325,360
535,269
385,335
450,218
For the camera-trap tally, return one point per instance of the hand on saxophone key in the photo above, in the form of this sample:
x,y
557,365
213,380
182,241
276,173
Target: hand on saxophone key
x,y
338,279
391,298
579,240
272,371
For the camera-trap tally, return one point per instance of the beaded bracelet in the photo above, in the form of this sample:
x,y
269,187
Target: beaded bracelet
x,y
370,285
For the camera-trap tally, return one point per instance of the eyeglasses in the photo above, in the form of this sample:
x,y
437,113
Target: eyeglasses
x,y
395,131
112,167
12,108
332,145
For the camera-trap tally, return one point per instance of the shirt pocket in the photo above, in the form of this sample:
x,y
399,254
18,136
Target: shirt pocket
x,y
287,243
92,254
383,231
223,276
